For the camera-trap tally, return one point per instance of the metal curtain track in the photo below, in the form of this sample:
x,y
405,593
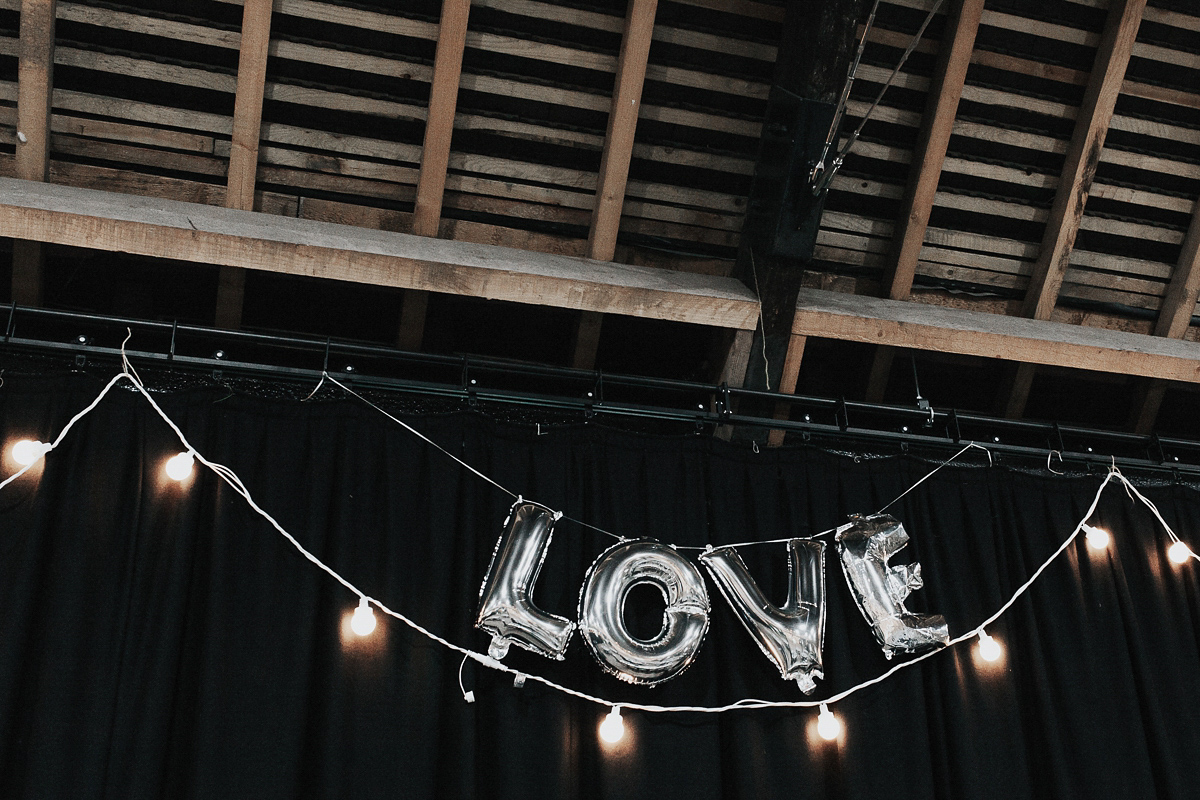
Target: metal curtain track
x,y
90,341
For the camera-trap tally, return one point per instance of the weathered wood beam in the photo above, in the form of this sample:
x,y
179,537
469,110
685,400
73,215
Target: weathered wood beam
x,y
855,318
733,371
933,139
1174,317
1079,168
35,88
435,153
228,237
243,154
614,163
787,384
1083,154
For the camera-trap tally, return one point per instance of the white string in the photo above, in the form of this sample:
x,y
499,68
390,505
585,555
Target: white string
x,y
934,471
417,433
63,432
618,537
232,479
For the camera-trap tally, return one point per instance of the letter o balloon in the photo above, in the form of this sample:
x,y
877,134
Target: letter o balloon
x,y
602,611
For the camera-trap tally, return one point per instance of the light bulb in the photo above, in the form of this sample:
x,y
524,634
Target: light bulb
x,y
179,467
989,648
1178,552
363,621
27,451
828,725
613,727
1097,538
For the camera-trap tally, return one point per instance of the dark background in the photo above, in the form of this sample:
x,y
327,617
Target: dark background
x,y
159,640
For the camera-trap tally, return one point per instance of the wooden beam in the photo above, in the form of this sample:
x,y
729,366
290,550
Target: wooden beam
x,y
243,154
622,123
614,163
35,88
787,383
733,372
932,141
435,152
856,318
1083,154
1174,317
249,240
439,124
1075,183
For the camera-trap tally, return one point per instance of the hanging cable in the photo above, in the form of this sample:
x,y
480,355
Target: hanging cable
x,y
826,177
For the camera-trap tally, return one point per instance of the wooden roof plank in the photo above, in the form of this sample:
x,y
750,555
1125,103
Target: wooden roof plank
x,y
856,318
228,237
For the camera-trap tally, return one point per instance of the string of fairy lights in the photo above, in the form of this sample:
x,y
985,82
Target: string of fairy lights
x,y
26,453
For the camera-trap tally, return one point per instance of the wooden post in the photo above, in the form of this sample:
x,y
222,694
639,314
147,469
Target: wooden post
x,y
243,155
614,164
1079,168
35,89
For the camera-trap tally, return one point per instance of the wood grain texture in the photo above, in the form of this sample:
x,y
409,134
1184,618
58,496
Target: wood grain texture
x,y
1083,156
856,318
439,124
958,41
622,124
243,155
35,88
230,237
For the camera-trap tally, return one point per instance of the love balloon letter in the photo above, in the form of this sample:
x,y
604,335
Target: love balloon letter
x,y
790,635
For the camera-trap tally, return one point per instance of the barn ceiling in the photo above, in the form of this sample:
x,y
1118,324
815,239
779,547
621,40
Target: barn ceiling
x,y
1029,159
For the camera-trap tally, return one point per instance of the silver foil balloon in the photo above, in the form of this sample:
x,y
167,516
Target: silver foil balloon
x,y
602,611
506,608
865,545
792,635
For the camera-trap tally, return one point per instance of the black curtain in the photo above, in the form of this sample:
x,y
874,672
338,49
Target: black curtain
x,y
162,641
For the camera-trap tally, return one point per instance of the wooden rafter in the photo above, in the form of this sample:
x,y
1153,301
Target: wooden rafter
x,y
35,88
614,164
1083,154
933,139
838,315
206,234
1179,304
1079,168
787,384
435,153
243,153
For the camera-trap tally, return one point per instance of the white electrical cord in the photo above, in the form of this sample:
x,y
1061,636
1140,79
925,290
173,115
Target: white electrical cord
x,y
235,482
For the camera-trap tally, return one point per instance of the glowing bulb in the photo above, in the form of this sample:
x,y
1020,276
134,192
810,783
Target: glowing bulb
x,y
1178,552
1097,538
363,621
179,467
828,725
989,648
613,727
27,451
